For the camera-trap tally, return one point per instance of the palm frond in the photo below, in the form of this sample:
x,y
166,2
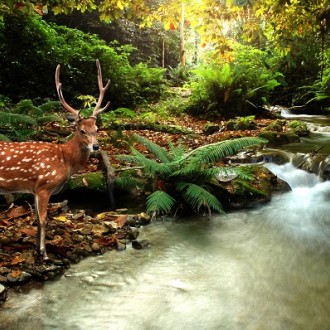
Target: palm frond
x,y
160,202
198,197
157,150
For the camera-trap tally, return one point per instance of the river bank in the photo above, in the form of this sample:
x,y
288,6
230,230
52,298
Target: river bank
x,y
76,234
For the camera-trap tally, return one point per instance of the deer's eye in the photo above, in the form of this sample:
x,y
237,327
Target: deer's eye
x,y
82,131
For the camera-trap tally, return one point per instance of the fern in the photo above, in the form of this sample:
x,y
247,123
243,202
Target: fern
x,y
26,107
189,175
158,151
127,182
50,106
4,138
47,119
14,119
160,202
198,197
211,153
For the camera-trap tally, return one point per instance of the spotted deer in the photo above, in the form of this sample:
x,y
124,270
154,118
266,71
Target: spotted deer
x,y
42,168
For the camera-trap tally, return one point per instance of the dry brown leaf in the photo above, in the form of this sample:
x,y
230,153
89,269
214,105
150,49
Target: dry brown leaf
x,y
29,232
17,260
121,220
18,211
16,273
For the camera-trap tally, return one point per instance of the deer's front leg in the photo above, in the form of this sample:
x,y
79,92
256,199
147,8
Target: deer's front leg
x,y
41,204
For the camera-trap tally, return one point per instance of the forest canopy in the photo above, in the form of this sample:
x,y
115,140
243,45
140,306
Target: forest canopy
x,y
287,40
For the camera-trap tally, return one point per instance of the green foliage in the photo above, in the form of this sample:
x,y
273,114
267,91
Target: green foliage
x,y
181,177
236,88
242,123
22,122
160,202
28,64
178,76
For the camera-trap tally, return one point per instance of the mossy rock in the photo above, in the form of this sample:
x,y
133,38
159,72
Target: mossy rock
x,y
276,125
92,181
242,123
298,127
260,190
277,139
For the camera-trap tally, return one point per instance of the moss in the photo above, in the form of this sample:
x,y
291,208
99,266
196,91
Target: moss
x,y
276,125
242,123
298,127
92,181
270,136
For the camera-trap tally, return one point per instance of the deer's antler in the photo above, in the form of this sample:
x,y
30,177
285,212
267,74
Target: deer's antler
x,y
102,89
60,93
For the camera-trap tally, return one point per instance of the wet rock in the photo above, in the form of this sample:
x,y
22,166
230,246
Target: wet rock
x,y
3,293
133,233
18,276
210,129
121,245
88,248
144,218
139,245
96,247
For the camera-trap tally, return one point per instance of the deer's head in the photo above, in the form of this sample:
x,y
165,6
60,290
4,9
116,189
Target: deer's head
x,y
86,129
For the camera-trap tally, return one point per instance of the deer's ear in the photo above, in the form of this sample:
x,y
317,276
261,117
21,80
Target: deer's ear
x,y
73,120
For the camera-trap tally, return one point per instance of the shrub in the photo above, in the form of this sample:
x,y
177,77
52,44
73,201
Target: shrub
x,y
235,88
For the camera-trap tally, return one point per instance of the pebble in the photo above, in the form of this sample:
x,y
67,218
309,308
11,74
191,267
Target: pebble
x,y
139,245
3,293
95,247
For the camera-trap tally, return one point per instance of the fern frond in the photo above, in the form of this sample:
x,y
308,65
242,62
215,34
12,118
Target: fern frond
x,y
160,202
26,107
150,166
126,182
50,106
157,150
176,152
225,174
7,118
211,153
198,197
47,119
4,138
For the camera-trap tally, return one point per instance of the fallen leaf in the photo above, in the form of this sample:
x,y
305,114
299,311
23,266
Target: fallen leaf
x,y
16,273
17,260
107,241
61,218
121,220
29,232
18,211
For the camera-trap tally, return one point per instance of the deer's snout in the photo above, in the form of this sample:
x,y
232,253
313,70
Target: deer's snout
x,y
96,146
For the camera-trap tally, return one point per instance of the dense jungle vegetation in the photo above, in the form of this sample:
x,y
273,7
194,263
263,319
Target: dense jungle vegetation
x,y
229,58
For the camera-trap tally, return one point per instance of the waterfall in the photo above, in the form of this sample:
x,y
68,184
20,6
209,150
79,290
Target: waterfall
x,y
303,212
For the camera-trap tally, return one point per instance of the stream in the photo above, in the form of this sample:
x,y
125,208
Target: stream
x,y
261,268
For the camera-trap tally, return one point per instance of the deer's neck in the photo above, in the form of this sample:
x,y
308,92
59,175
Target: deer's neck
x,y
75,154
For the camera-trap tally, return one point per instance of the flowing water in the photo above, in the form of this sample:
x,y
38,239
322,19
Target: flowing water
x,y
264,268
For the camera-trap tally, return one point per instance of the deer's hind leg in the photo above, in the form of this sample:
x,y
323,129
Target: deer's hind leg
x,y
41,203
